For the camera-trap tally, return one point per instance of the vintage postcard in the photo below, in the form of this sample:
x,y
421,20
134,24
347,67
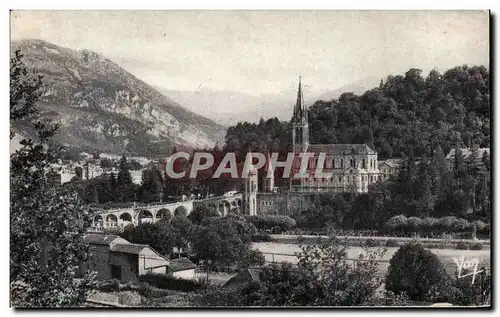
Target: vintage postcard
x,y
250,159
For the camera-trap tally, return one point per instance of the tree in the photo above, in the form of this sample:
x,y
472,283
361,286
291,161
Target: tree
x,y
160,236
95,194
152,185
47,223
416,272
79,173
124,186
106,163
200,213
217,243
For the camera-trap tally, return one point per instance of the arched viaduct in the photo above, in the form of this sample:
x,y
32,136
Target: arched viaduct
x,y
121,217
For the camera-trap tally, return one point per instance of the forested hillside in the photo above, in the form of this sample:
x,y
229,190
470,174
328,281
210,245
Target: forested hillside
x,y
405,113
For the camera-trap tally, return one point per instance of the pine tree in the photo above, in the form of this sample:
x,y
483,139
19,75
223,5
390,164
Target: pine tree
x,y
112,187
47,223
95,194
124,186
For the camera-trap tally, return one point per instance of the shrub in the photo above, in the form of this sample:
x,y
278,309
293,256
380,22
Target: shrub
x,y
371,243
446,223
429,224
480,226
462,246
170,282
414,224
476,246
459,224
109,286
417,272
397,222
391,243
275,223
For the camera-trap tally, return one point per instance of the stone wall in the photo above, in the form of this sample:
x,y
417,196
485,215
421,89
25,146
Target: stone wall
x,y
128,264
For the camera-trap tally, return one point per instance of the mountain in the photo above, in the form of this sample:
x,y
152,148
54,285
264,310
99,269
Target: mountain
x,y
358,87
230,107
100,106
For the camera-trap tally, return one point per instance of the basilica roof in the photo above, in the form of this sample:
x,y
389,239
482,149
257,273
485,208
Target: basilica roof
x,y
341,149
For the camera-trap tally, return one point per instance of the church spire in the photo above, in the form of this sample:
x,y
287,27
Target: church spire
x,y
300,111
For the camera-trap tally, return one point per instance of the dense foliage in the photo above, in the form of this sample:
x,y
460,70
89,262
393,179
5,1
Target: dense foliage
x,y
404,114
418,273
47,222
274,223
322,277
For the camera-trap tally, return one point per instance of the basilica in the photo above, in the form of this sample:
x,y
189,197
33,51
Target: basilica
x,y
351,167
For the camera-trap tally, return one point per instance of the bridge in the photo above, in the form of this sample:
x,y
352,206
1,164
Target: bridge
x,y
137,214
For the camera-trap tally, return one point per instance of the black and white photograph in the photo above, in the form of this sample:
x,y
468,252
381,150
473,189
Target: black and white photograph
x,y
250,159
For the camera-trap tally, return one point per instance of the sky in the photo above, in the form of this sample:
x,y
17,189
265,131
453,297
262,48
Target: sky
x,y
264,52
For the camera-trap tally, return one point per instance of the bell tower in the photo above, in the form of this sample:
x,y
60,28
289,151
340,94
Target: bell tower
x,y
250,188
300,124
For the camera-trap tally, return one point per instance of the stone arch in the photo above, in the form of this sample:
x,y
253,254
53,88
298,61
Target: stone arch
x,y
144,216
98,218
111,220
238,202
163,213
125,217
181,211
224,207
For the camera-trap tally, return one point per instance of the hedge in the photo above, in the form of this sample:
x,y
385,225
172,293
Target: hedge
x,y
276,224
444,224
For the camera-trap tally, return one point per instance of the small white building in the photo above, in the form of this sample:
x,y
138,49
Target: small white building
x,y
182,268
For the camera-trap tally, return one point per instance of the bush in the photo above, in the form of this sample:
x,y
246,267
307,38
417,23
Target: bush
x,y
109,286
476,246
397,222
414,224
170,282
417,272
391,243
462,246
275,223
371,243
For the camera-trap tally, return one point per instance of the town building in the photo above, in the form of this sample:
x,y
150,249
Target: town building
x,y
113,257
389,168
480,153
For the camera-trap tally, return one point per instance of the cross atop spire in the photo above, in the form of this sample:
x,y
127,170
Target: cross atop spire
x,y
300,111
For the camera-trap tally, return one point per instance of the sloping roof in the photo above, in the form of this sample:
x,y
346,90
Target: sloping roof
x,y
131,248
97,238
341,149
181,264
245,276
466,152
394,163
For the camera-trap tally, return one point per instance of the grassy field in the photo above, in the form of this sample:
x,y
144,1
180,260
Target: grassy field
x,y
286,253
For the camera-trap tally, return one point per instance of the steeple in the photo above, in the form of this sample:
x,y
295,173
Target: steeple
x,y
299,111
300,125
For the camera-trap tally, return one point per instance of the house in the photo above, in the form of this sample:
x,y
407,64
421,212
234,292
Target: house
x,y
466,153
244,277
182,268
113,257
389,168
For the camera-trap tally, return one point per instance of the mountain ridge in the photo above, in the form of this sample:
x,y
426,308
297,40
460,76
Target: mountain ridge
x,y
101,106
